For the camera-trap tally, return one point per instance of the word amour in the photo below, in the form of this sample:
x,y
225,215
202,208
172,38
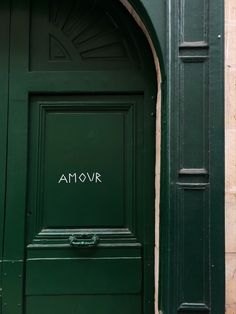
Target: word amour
x,y
83,177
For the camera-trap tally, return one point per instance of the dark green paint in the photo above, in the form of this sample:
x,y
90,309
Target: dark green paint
x,y
188,38
13,278
73,304
4,63
192,204
72,129
89,276
83,106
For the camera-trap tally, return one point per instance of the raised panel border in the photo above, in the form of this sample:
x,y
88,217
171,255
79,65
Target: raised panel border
x,y
202,237
109,236
205,108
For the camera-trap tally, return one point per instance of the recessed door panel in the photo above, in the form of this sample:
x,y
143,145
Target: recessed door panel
x,y
83,209
113,275
82,164
83,168
105,304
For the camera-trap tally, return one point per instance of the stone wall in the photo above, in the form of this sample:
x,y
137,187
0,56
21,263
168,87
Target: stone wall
x,y
230,153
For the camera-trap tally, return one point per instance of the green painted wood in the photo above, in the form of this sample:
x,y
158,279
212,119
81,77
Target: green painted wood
x,y
17,143
127,304
4,65
12,301
112,251
193,250
70,131
188,39
119,275
216,99
85,103
80,35
154,15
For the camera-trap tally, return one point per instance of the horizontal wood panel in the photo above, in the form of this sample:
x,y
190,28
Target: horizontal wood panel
x,y
74,82
128,251
106,304
83,276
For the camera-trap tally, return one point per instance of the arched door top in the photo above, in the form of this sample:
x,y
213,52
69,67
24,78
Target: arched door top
x,y
78,35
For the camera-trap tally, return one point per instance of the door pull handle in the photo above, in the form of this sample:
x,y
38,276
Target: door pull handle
x,y
84,240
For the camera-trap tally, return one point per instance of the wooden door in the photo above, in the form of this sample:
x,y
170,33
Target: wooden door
x,y
79,222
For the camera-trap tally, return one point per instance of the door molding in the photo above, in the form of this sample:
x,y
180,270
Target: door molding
x,y
157,55
172,55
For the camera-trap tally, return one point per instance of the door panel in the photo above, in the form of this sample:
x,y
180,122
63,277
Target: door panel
x,y
85,275
80,187
82,163
105,304
83,156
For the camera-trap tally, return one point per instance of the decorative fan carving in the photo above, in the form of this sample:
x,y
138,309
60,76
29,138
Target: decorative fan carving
x,y
77,35
90,28
57,51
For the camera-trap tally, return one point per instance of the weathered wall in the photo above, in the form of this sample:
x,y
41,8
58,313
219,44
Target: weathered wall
x,y
230,142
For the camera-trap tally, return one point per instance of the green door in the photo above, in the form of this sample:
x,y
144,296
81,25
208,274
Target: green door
x,y
79,217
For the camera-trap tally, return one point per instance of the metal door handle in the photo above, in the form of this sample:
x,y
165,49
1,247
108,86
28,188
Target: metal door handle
x,y
84,240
